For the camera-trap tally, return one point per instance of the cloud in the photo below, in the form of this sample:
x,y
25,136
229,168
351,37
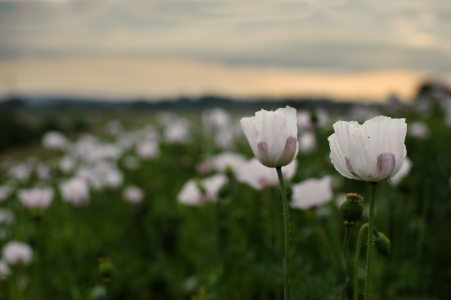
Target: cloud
x,y
354,35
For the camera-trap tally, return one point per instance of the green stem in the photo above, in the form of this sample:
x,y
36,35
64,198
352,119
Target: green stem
x,y
356,260
369,257
286,214
345,259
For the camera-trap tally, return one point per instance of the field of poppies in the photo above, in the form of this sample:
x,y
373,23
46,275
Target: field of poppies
x,y
171,205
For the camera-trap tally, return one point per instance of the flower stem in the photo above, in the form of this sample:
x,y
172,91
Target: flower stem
x,y
286,214
369,257
356,260
345,259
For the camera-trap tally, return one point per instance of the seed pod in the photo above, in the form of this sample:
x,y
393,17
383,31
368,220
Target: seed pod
x,y
352,208
105,269
383,244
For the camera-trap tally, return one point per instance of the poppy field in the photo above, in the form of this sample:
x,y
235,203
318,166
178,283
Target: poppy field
x,y
179,205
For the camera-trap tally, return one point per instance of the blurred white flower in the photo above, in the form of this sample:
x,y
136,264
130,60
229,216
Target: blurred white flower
x,y
5,191
44,172
310,120
272,136
224,139
307,142
17,253
36,198
133,195
67,164
419,130
147,149
6,217
75,191
150,133
204,167
165,118
192,195
54,140
190,284
372,152
114,127
130,162
4,270
227,159
215,119
177,131
114,179
21,172
403,172
259,177
312,193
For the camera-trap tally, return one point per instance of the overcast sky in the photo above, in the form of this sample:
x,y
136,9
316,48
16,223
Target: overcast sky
x,y
334,35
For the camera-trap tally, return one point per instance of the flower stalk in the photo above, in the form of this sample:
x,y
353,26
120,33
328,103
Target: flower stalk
x,y
369,257
356,260
286,214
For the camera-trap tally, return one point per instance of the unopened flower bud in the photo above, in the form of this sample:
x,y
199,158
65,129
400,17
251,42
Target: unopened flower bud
x,y
352,209
105,268
229,172
383,244
201,186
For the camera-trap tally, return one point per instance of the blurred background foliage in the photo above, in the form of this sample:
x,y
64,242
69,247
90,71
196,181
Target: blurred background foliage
x,y
231,248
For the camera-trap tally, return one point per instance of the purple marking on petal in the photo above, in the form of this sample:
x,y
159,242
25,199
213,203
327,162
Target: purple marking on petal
x,y
386,163
348,165
288,152
263,149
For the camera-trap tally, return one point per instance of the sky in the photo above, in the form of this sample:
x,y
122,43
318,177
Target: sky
x,y
323,40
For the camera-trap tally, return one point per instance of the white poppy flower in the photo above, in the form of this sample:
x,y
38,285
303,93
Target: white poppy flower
x,y
215,119
374,151
114,127
227,159
307,142
419,130
114,179
178,131
133,195
21,172
75,191
4,270
259,177
192,195
147,149
312,193
44,172
54,140
5,191
67,164
17,253
272,136
36,198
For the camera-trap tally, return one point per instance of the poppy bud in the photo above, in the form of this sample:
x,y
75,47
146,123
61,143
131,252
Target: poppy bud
x,y
383,244
229,173
352,209
201,186
105,268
